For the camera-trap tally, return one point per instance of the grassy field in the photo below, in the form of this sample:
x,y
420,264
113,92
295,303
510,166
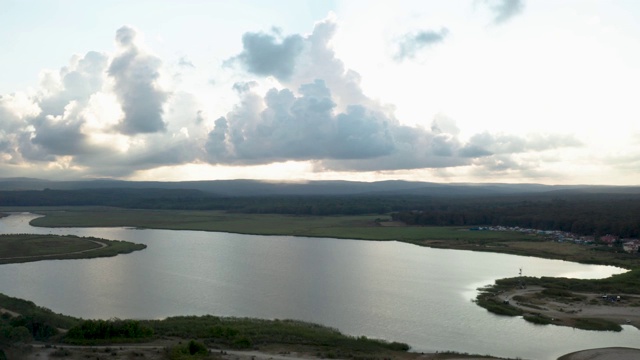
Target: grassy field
x,y
36,245
16,248
352,227
369,227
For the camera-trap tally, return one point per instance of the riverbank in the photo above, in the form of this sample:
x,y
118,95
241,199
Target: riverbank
x,y
342,219
158,351
574,309
363,227
224,337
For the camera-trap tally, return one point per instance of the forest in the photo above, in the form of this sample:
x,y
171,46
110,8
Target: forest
x,y
577,212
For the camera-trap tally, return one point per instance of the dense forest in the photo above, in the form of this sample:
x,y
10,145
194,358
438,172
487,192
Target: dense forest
x,y
592,214
577,212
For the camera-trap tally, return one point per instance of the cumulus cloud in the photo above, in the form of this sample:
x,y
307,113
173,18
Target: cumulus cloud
x,y
300,103
322,115
83,77
136,74
244,86
269,54
504,10
72,124
411,44
285,126
303,60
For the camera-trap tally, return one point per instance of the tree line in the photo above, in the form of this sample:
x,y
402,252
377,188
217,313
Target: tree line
x,y
584,215
580,213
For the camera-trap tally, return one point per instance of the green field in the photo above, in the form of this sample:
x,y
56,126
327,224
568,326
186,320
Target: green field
x,y
367,227
16,248
351,227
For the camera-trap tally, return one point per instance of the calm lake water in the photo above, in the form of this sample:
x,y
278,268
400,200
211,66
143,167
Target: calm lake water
x,y
388,290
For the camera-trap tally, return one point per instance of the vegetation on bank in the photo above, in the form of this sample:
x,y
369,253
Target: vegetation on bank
x,y
34,322
376,227
17,248
582,213
366,227
243,333
561,290
92,332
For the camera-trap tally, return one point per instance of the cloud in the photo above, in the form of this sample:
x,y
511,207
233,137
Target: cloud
x,y
106,115
244,86
135,74
60,135
184,62
269,55
504,10
69,126
411,44
286,126
321,114
77,82
297,60
488,143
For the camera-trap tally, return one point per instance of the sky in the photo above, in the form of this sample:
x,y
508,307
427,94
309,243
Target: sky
x,y
509,91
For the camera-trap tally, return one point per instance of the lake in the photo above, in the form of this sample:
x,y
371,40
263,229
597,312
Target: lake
x,y
390,290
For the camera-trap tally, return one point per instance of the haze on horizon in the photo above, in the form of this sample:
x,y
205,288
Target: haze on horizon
x,y
509,91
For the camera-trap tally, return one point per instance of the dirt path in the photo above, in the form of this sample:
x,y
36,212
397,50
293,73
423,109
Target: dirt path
x,y
625,311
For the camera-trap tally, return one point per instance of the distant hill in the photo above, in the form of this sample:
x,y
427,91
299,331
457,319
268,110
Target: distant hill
x,y
242,188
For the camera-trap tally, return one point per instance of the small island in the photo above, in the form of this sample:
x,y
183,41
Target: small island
x,y
19,248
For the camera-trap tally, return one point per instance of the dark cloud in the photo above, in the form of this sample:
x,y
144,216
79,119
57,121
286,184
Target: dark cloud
x,y
59,136
269,55
410,44
284,126
504,10
243,87
135,74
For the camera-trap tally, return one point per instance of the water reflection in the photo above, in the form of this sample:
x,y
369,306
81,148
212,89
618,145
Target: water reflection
x,y
391,290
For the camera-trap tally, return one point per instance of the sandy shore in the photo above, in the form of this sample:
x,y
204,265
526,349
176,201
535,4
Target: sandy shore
x,y
625,311
615,353
155,351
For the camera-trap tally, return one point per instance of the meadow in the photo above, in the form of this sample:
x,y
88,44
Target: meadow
x,y
17,248
364,227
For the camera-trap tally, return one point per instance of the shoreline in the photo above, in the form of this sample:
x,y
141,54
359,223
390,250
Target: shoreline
x,y
424,243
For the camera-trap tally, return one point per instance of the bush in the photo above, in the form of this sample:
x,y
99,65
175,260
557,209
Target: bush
x,y
36,325
537,319
499,308
91,330
192,350
596,324
20,334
